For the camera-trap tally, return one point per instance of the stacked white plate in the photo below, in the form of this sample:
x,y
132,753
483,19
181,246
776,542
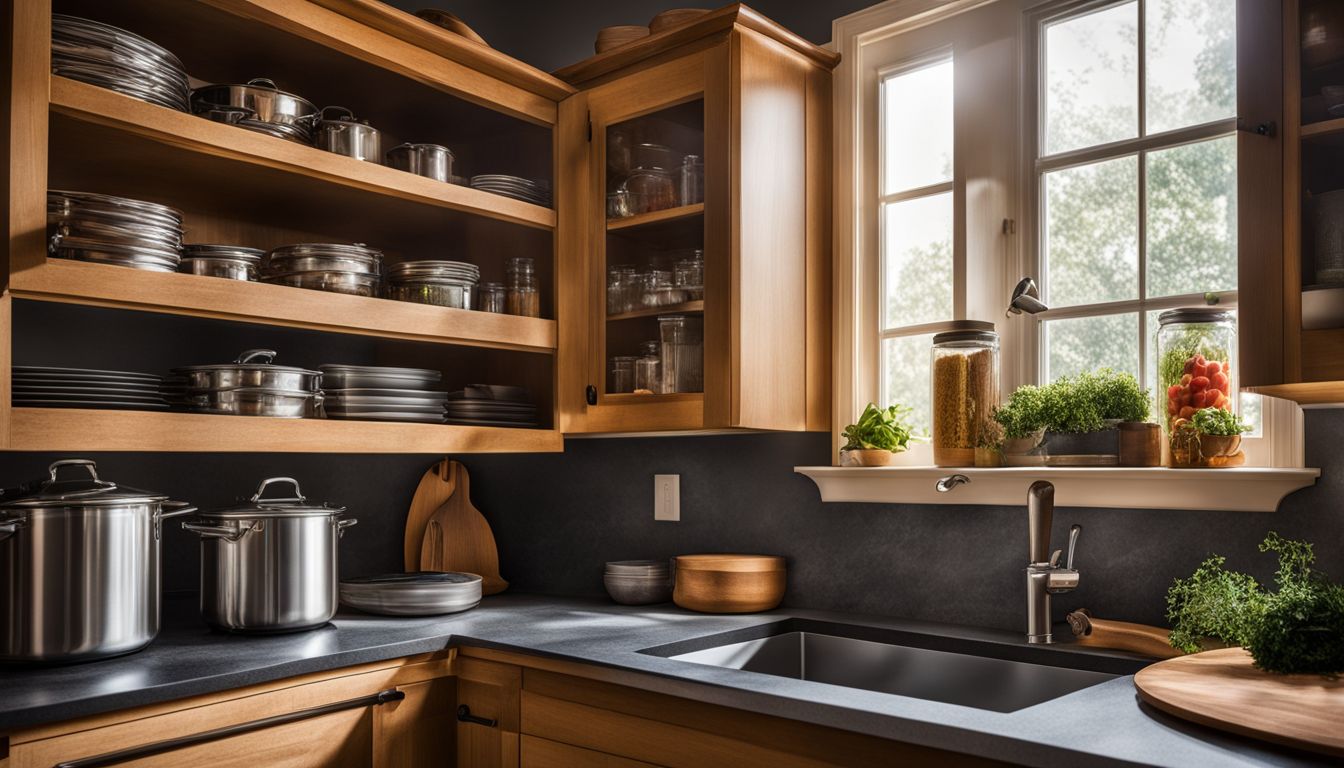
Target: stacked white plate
x,y
491,405
374,393
47,387
413,594
638,582
516,187
87,226
112,58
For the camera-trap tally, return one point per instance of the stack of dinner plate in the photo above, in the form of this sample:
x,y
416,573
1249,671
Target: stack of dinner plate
x,y
516,187
46,387
374,393
491,405
112,58
413,594
114,230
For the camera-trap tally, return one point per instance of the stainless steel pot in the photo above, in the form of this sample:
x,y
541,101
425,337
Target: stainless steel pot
x,y
252,370
267,103
80,565
431,160
270,565
347,136
277,404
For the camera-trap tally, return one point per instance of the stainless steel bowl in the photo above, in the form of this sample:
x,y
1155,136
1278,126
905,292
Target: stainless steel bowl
x,y
275,403
439,294
430,160
638,590
252,370
350,283
267,103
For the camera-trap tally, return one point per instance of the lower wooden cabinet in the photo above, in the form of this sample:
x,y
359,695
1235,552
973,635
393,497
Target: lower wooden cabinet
x,y
487,713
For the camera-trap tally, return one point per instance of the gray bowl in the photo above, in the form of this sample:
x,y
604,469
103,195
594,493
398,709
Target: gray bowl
x,y
635,590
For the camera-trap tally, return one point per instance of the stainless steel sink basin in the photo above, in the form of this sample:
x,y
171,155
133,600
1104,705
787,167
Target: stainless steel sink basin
x,y
972,673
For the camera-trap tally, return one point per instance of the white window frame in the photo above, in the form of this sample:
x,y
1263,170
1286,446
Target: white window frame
x,y
1038,164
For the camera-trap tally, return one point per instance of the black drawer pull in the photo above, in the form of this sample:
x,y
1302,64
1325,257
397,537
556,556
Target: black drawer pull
x,y
464,716
159,747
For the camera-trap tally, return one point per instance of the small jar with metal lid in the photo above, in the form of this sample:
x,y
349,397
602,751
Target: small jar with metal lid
x,y
691,180
523,297
965,380
1196,350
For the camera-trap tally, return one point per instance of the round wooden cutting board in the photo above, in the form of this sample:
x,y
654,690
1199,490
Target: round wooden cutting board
x,y
1222,689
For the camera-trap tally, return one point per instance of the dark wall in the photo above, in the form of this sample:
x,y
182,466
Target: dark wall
x,y
550,34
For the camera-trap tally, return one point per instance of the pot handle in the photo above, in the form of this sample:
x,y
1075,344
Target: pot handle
x,y
11,526
179,508
265,355
298,494
322,113
221,532
344,523
88,464
266,81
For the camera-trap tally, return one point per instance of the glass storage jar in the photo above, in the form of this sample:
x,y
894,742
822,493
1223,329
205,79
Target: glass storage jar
x,y
650,189
522,296
1196,352
622,375
622,288
689,276
493,298
683,353
965,381
648,370
691,180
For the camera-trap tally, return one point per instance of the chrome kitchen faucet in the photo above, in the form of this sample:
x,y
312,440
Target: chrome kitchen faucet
x,y
1044,576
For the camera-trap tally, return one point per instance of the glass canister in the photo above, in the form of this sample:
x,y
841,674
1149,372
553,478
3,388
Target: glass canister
x,y
522,296
622,375
683,353
965,374
493,298
622,287
1196,352
691,180
689,275
651,189
648,370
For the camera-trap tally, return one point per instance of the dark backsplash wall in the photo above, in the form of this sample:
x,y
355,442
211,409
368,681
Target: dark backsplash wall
x,y
558,517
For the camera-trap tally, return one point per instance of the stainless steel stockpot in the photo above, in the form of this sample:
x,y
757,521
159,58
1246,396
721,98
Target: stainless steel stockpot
x,y
432,160
270,565
80,565
252,370
347,136
267,103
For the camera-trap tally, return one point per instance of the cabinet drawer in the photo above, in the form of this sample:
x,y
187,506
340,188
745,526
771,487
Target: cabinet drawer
x,y
544,753
488,691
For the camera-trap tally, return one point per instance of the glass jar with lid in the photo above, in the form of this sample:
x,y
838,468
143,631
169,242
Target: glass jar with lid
x,y
648,369
965,381
1196,352
522,297
622,375
651,189
691,180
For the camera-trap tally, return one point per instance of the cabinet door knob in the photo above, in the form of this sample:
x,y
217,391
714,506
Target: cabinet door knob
x,y
591,395
464,716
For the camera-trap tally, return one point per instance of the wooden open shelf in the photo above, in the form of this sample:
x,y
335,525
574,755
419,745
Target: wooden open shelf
x,y
167,129
1322,128
72,429
655,217
690,307
125,288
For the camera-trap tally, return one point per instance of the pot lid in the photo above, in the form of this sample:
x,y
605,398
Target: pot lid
x,y
1194,315
245,363
287,506
81,490
967,330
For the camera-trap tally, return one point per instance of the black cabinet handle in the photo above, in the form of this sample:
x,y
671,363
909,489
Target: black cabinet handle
x,y
464,716
168,745
590,395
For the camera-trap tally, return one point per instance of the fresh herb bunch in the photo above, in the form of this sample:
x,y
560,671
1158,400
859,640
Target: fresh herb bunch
x,y
879,428
1298,629
1216,421
1081,403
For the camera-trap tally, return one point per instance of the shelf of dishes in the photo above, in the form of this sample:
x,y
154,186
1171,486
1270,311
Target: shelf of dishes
x,y
670,364
116,59
253,385
106,229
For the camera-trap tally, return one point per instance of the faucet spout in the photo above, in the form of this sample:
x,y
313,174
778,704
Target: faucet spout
x,y
1044,576
1040,515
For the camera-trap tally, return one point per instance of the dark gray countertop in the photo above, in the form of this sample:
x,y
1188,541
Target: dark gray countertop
x,y
1101,725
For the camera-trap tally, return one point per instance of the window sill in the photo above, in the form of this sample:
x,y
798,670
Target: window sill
x,y
1242,489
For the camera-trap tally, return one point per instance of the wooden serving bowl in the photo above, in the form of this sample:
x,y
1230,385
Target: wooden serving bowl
x,y
728,583
675,18
614,37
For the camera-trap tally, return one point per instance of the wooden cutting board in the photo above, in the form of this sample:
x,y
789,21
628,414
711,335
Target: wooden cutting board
x,y
434,489
457,537
1222,689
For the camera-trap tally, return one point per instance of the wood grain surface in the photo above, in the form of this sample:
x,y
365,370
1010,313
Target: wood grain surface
x,y
456,535
1222,689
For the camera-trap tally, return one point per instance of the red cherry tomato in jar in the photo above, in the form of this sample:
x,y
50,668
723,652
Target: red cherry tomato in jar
x,y
1214,367
1220,382
1199,384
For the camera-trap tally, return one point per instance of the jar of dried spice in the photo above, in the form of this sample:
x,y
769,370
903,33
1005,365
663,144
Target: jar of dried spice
x,y
965,372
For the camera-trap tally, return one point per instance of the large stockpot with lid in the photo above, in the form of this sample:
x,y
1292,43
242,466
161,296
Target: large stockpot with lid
x,y
253,386
270,564
346,135
80,564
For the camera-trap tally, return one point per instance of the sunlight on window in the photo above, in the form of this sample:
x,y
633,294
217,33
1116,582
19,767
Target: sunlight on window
x,y
1091,79
917,135
1091,244
905,377
1084,344
1191,65
1192,218
917,260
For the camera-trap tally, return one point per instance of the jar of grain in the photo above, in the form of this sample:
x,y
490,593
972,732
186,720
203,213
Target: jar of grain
x,y
965,372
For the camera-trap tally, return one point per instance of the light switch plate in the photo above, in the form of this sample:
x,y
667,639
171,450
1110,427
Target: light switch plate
x,y
667,497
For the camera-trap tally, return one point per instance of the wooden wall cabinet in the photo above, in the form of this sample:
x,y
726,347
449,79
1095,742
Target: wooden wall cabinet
x,y
753,100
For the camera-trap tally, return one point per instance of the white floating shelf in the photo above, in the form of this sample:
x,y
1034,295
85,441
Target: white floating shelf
x,y
1242,489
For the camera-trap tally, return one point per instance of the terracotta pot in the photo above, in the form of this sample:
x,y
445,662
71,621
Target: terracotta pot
x,y
872,457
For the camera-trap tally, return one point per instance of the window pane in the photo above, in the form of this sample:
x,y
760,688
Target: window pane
x,y
1082,344
917,138
1192,218
905,377
917,260
1091,79
1192,62
1092,233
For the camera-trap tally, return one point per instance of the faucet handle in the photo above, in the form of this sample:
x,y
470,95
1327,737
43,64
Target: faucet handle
x,y
1054,558
1073,542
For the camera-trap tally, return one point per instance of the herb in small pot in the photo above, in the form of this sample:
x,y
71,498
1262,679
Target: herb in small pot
x,y
883,429
1216,421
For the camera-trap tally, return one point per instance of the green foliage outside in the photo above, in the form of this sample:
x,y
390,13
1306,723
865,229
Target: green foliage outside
x,y
1083,403
879,428
1296,629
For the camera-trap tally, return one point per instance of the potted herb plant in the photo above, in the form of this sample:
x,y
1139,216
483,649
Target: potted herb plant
x,y
1211,437
877,436
1076,416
